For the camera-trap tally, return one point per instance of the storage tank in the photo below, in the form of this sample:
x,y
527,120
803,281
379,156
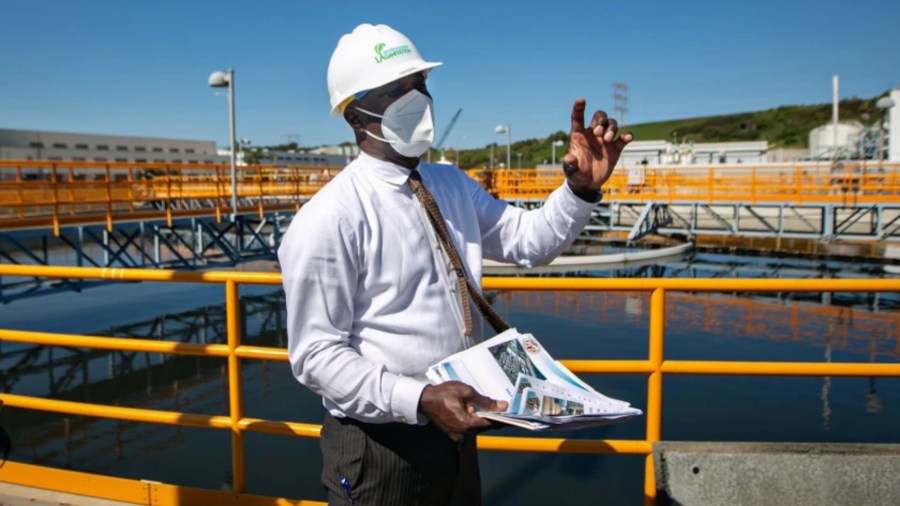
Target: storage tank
x,y
821,139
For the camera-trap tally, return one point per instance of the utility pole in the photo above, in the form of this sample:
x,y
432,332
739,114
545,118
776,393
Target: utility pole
x,y
620,101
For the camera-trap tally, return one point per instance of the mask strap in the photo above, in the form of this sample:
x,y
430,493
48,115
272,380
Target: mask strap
x,y
370,134
370,113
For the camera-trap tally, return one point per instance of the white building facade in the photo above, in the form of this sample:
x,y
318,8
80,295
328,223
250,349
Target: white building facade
x,y
658,153
58,146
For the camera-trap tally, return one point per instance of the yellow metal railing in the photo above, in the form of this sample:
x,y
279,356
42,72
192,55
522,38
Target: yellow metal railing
x,y
845,184
655,366
51,194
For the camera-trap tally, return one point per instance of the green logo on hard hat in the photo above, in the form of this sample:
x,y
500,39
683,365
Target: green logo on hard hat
x,y
382,54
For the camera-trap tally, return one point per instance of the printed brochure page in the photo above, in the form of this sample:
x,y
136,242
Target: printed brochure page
x,y
542,393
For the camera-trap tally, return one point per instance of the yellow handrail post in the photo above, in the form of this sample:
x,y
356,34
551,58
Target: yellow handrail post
x,y
131,195
259,174
168,200
71,191
20,186
654,387
109,219
219,194
753,185
232,311
294,179
53,181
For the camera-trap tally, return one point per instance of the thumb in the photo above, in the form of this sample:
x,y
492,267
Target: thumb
x,y
487,404
499,405
570,164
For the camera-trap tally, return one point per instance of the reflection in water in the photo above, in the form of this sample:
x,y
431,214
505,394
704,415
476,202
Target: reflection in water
x,y
700,326
873,402
134,379
826,387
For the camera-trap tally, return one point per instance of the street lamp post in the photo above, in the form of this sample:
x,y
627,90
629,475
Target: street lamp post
x,y
520,159
225,79
555,144
500,129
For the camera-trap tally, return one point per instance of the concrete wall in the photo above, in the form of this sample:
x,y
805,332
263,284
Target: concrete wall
x,y
750,474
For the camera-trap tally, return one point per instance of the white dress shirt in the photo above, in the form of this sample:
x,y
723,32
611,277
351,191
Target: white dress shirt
x,y
368,311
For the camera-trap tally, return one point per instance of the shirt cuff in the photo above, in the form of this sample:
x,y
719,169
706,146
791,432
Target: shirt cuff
x,y
573,204
405,399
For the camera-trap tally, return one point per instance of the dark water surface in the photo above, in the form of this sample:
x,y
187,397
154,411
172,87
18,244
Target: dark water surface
x,y
776,327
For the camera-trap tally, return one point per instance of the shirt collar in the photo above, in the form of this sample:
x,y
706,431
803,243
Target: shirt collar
x,y
386,171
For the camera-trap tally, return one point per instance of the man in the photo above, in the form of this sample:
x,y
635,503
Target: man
x,y
372,299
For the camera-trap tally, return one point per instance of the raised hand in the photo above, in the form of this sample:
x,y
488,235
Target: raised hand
x,y
451,406
593,150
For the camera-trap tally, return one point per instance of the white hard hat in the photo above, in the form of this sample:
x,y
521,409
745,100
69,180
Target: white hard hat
x,y
368,57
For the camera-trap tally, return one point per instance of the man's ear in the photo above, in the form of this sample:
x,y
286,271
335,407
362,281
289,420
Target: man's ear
x,y
354,119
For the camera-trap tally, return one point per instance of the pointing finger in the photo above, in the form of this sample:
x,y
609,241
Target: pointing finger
x,y
578,115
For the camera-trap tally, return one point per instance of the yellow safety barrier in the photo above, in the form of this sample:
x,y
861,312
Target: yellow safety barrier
x,y
655,366
848,183
51,194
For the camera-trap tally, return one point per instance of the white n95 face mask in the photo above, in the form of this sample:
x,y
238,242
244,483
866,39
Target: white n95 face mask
x,y
407,124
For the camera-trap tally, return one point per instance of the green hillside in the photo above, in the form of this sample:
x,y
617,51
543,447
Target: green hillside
x,y
783,127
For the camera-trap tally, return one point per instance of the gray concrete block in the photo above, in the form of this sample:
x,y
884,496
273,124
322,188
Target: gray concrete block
x,y
750,474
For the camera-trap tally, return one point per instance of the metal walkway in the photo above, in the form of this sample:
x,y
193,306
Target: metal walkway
x,y
17,495
179,216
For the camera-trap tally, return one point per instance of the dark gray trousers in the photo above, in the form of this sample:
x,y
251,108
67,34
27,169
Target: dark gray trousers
x,y
397,464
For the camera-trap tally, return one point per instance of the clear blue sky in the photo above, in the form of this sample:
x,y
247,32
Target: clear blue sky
x,y
140,68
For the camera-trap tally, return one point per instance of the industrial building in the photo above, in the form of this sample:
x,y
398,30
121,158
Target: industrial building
x,y
660,152
325,156
53,146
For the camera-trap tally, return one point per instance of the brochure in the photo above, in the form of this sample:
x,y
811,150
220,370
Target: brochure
x,y
542,393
